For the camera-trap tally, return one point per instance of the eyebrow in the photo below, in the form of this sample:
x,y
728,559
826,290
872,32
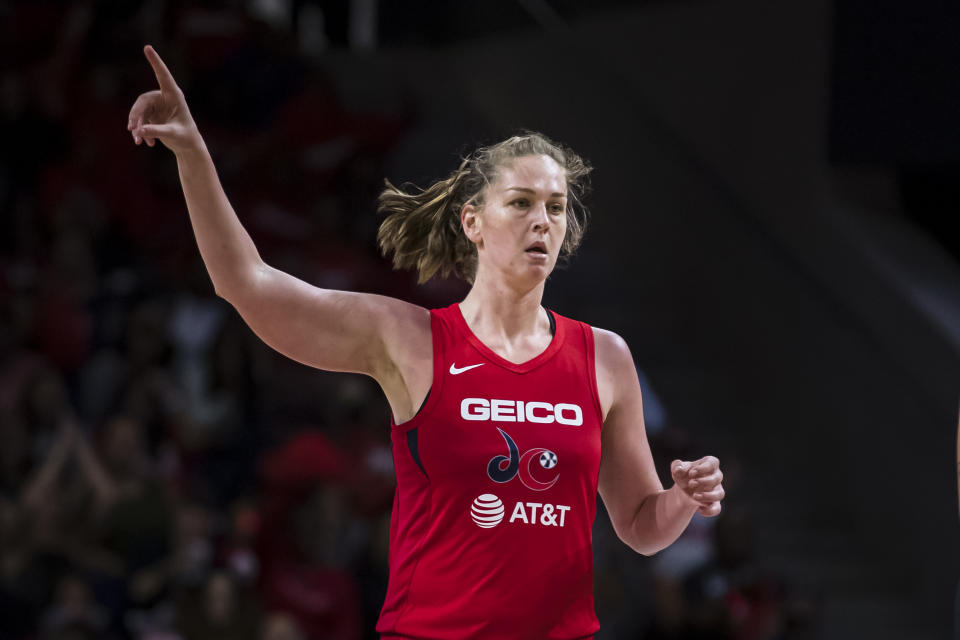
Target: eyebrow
x,y
526,190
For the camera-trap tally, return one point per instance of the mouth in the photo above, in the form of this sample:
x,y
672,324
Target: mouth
x,y
537,247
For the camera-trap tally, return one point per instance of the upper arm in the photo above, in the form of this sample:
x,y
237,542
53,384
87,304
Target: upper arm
x,y
385,338
627,473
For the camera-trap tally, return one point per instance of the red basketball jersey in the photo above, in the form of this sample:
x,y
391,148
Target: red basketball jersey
x,y
490,534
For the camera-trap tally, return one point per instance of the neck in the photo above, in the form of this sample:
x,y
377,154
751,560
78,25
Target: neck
x,y
495,308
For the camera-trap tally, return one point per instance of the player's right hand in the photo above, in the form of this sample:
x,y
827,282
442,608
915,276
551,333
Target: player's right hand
x,y
162,114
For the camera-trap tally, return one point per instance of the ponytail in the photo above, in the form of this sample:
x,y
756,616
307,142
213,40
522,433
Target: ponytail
x,y
422,228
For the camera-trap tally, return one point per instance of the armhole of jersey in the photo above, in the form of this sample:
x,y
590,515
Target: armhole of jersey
x,y
433,393
592,369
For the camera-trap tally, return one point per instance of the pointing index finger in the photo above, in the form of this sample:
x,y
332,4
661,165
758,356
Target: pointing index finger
x,y
164,77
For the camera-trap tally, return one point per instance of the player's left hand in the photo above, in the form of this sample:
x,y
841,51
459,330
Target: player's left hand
x,y
701,481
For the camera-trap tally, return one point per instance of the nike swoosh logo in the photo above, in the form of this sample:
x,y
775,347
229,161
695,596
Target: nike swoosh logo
x,y
455,371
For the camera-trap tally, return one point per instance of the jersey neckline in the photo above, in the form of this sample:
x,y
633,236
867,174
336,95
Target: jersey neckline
x,y
522,367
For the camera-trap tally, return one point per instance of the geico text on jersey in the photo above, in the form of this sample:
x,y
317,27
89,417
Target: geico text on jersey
x,y
520,411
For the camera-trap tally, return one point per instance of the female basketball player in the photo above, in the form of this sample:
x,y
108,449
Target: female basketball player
x,y
497,402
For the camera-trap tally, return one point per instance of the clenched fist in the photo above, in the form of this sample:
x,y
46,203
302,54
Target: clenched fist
x,y
701,481
162,114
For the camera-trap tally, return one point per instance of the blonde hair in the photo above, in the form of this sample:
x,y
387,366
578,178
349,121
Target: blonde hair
x,y
422,226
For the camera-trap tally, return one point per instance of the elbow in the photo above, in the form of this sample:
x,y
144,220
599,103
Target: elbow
x,y
229,288
221,292
643,548
230,295
639,543
237,286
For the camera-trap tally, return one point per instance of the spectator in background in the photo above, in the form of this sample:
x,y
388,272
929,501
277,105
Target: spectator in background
x,y
219,612
136,521
148,391
121,536
281,626
313,538
73,613
78,248
239,553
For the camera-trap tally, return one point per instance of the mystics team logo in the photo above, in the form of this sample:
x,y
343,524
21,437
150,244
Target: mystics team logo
x,y
504,468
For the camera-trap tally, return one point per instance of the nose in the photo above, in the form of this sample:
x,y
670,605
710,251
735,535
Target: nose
x,y
540,217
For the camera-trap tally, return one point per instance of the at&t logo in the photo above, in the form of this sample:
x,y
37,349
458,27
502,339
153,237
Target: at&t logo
x,y
487,512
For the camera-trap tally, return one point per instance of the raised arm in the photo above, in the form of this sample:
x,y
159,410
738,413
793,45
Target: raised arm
x,y
333,330
645,516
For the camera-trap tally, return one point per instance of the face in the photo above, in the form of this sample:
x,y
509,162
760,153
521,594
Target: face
x,y
520,227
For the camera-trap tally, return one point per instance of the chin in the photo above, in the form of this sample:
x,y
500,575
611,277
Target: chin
x,y
538,273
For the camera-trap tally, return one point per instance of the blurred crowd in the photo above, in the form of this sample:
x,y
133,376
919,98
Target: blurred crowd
x,y
163,474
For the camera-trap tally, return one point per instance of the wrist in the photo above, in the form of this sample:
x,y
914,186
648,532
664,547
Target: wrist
x,y
195,149
684,498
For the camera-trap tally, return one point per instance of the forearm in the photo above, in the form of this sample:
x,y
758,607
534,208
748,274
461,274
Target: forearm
x,y
660,520
225,246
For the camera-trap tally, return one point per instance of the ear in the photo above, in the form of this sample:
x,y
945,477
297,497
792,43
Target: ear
x,y
470,221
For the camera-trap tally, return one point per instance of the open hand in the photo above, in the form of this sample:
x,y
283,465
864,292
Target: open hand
x,y
162,114
701,481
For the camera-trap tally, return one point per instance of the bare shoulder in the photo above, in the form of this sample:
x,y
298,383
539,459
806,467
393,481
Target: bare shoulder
x,y
411,320
614,365
612,351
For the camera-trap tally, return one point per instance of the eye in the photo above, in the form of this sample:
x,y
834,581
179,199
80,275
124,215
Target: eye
x,y
557,207
521,202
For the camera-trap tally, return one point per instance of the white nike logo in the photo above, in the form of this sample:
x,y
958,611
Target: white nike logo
x,y
455,371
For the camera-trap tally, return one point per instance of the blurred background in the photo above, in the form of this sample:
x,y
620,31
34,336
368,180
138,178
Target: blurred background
x,y
773,208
